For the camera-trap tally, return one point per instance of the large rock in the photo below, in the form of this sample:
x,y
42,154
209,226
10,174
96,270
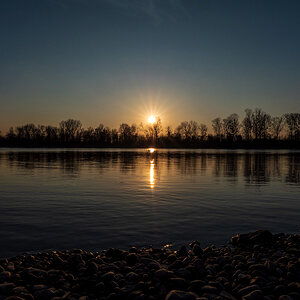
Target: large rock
x,y
260,237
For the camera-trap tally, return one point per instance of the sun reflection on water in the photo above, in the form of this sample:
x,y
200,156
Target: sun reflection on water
x,y
151,150
152,179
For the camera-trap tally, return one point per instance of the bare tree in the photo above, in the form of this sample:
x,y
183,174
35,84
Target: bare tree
x,y
183,130
188,130
247,125
128,134
52,134
157,128
70,129
217,127
203,131
125,133
88,135
293,123
10,135
169,131
231,126
276,126
114,137
261,123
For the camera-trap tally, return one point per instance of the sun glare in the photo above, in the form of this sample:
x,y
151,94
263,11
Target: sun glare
x,y
151,119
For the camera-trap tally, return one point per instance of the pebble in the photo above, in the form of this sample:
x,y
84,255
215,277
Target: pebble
x,y
163,274
209,289
258,265
247,290
180,295
131,259
5,288
285,297
255,295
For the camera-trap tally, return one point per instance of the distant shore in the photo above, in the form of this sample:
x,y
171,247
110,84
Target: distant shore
x,y
209,147
258,265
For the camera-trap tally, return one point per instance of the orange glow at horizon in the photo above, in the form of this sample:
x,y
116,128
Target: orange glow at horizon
x,y
153,106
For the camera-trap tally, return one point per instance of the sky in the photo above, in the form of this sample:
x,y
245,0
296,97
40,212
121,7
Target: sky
x,y
115,61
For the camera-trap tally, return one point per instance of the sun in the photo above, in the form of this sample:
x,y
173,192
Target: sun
x,y
151,119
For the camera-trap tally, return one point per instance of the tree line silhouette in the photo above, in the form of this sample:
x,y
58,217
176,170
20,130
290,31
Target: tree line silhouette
x,y
256,130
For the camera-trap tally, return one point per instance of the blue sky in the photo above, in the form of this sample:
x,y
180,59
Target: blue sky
x,y
114,61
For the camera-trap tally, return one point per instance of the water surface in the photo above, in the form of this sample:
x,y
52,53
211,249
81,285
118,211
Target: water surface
x,y
94,199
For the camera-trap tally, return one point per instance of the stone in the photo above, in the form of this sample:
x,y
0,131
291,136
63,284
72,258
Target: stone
x,y
109,276
111,296
177,264
132,277
154,265
196,285
133,249
5,276
5,288
255,295
247,290
180,295
295,295
163,274
172,258
19,289
134,295
45,294
194,243
183,273
26,296
93,267
178,283
259,237
280,289
209,289
131,259
182,251
285,297
258,280
255,270
226,295
38,287
197,251
258,267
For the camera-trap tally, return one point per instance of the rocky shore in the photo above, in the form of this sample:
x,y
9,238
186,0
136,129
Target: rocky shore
x,y
257,265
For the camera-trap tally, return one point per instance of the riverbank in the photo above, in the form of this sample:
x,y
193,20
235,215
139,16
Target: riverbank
x,y
259,265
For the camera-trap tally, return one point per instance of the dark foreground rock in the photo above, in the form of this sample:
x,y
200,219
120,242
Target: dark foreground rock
x,y
258,266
